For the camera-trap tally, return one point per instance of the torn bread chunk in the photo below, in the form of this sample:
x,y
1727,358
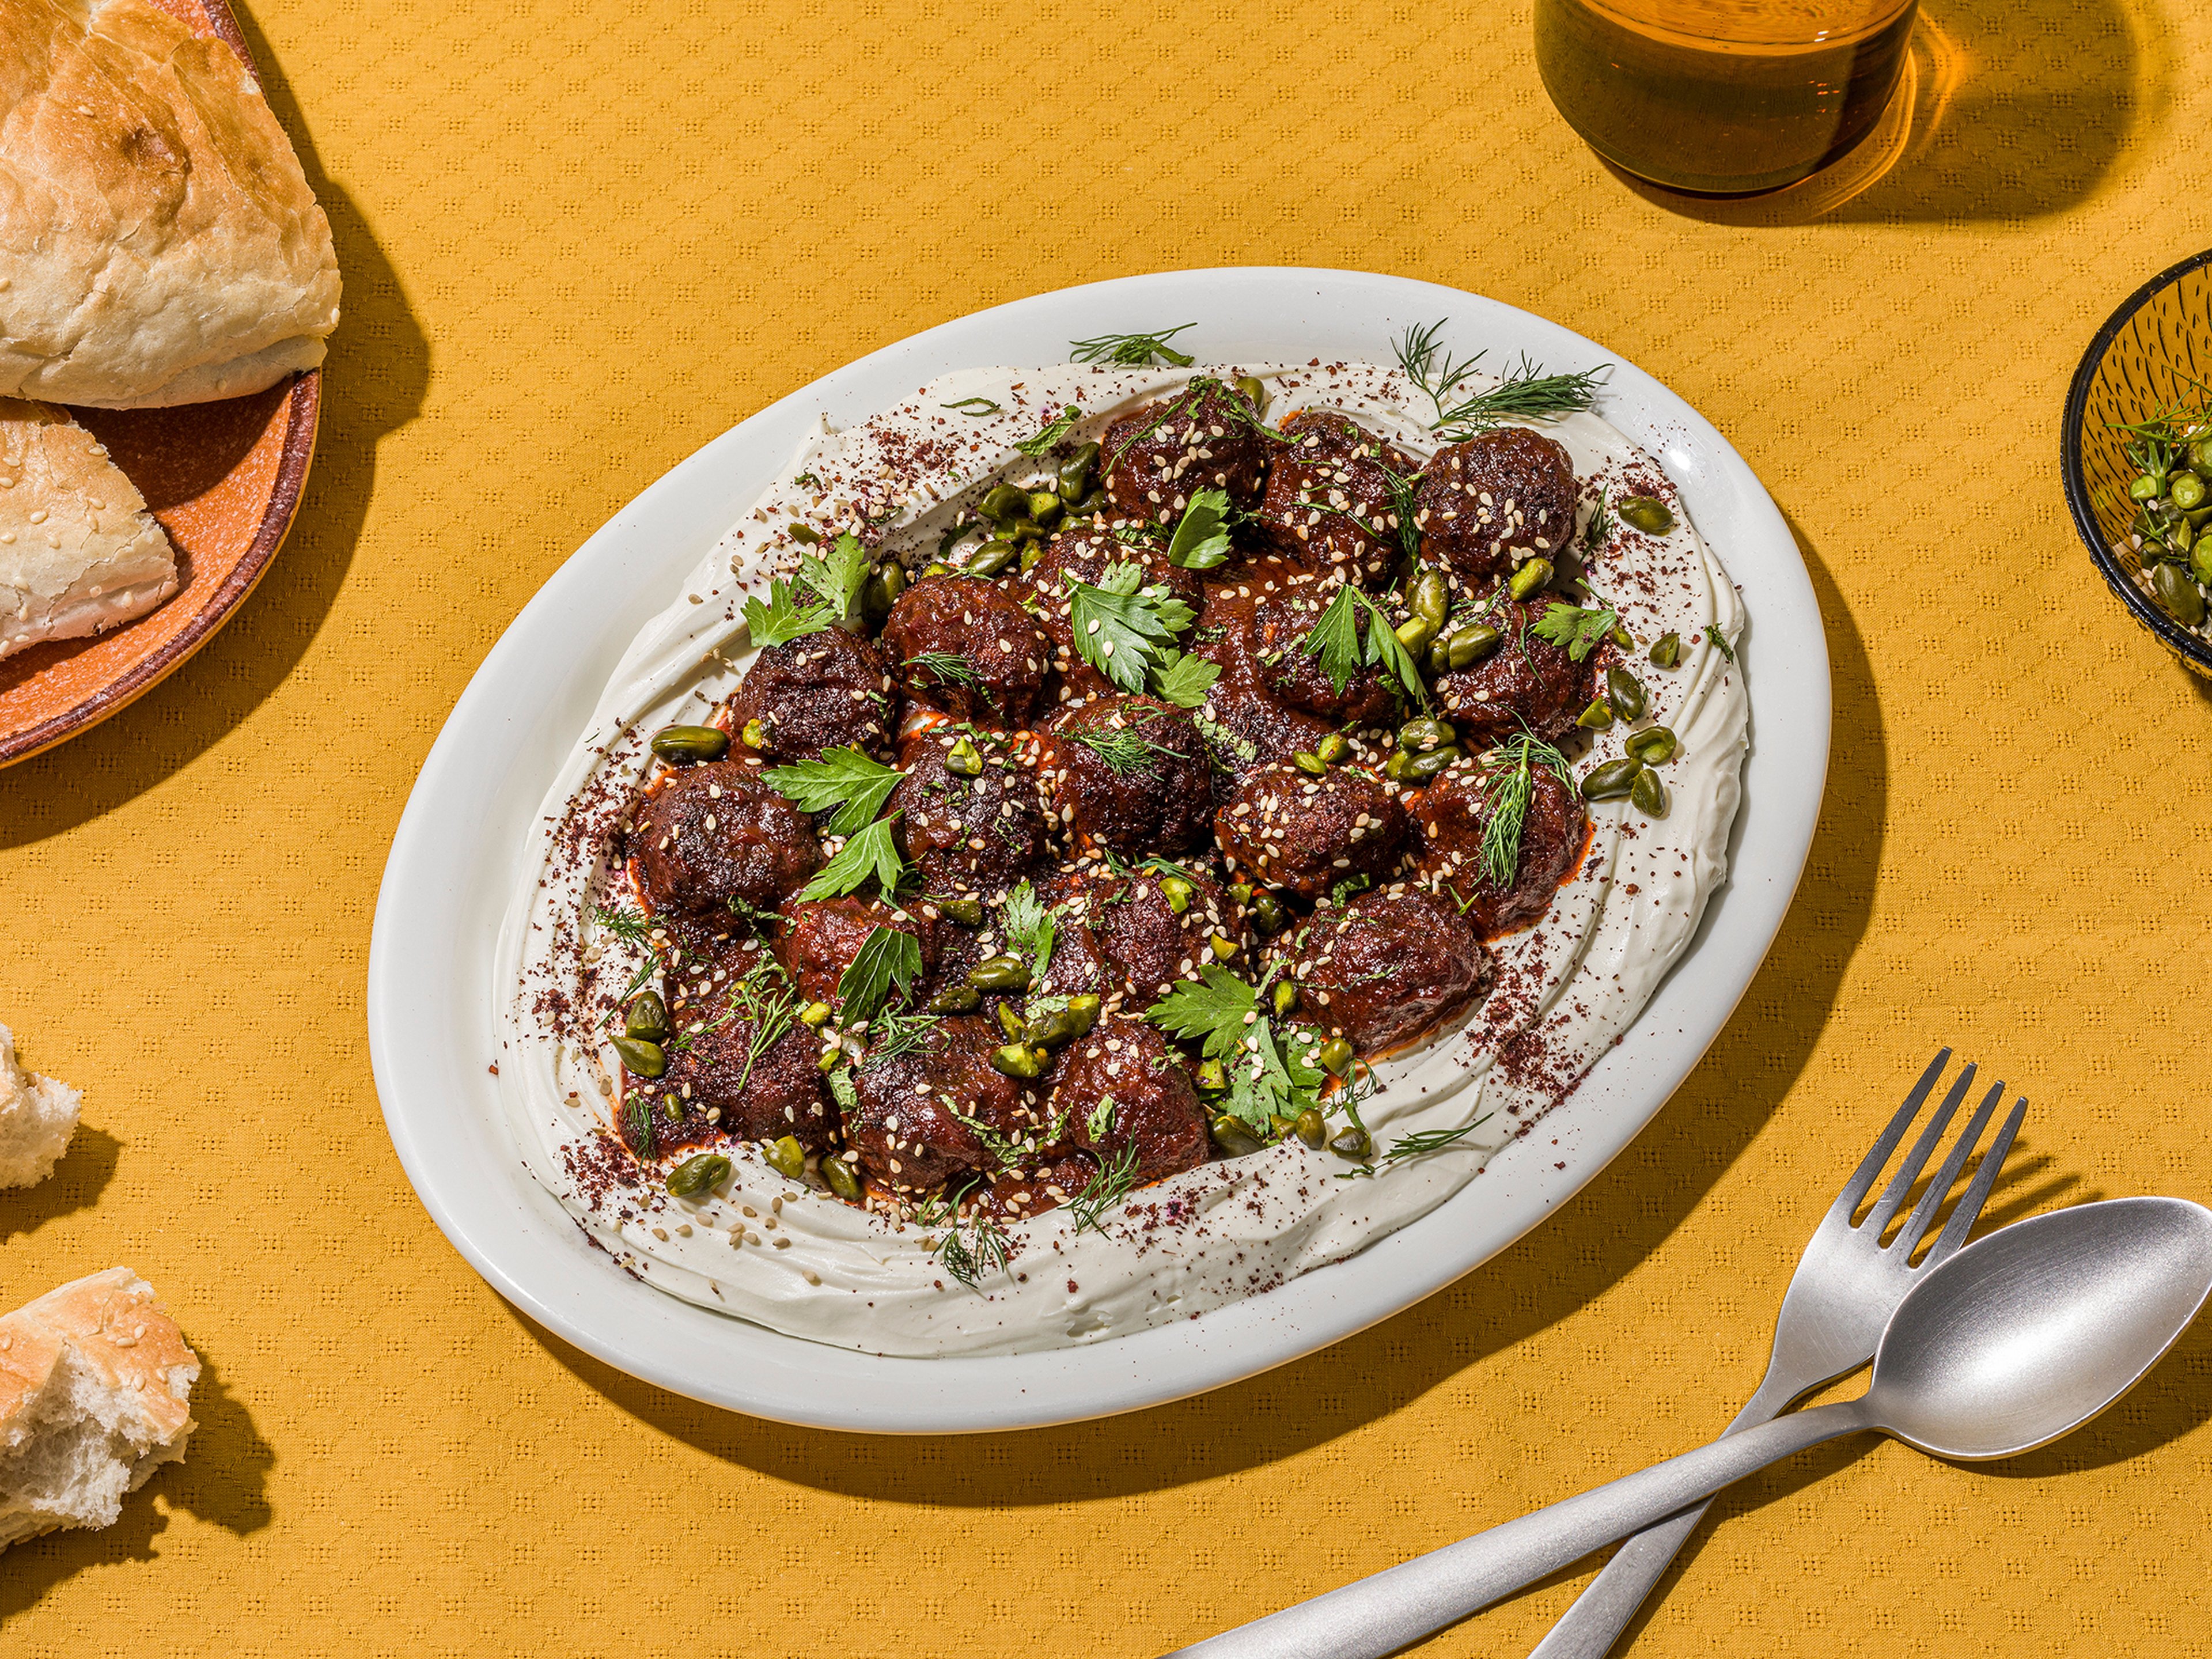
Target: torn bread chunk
x,y
38,1115
95,1394
79,553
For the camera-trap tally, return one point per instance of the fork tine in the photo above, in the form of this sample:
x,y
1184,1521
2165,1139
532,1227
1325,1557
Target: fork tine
x,y
1931,1200
1893,1196
1962,1218
1870,1166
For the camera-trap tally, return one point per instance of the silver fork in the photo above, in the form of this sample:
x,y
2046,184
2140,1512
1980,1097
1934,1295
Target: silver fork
x,y
1847,1285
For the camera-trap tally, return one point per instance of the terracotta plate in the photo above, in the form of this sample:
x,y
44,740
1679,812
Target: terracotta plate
x,y
224,480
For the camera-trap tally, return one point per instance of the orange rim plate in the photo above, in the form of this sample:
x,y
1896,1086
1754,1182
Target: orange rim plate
x,y
224,480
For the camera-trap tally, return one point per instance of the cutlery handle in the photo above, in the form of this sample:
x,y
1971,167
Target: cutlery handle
x,y
1589,1629
1378,1615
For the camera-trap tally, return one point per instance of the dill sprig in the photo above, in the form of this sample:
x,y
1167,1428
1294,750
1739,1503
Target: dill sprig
x,y
1512,787
764,997
897,1034
630,927
1430,1140
985,1249
1105,1190
1600,525
1126,753
949,667
978,407
1132,350
1526,394
1423,360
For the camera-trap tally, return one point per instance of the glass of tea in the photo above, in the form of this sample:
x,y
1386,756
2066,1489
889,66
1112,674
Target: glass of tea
x,y
1722,97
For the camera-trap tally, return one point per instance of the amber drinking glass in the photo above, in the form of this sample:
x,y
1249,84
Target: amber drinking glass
x,y
1721,97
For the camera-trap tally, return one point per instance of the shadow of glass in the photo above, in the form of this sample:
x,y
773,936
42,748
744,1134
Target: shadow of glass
x,y
373,384
2006,112
78,1181
1628,1211
223,1480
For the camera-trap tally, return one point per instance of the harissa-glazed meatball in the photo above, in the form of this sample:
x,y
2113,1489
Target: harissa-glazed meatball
x,y
1127,772
1501,497
725,1084
969,833
1122,937
1449,818
1528,682
1303,835
1004,657
818,938
1329,500
1157,458
819,691
1388,968
713,835
1081,553
908,1124
1154,1112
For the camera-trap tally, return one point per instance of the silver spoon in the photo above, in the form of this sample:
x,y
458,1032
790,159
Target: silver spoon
x,y
2012,1342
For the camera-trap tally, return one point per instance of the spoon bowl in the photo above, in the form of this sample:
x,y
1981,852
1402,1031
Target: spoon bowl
x,y
2030,1333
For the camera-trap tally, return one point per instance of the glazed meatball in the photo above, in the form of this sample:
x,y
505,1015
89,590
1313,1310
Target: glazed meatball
x,y
1154,1113
1003,657
1329,500
1281,622
1449,818
819,938
1202,438
1285,829
711,835
1502,497
726,1082
1389,967
908,1126
1130,774
1081,553
969,836
1121,936
1527,683
818,692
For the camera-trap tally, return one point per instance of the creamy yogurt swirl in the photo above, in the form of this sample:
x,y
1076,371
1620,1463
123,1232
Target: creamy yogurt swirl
x,y
792,1257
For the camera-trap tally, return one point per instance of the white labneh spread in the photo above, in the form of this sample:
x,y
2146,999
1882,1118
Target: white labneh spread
x,y
793,1257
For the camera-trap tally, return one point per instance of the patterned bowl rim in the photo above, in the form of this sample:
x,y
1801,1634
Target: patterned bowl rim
x,y
2191,648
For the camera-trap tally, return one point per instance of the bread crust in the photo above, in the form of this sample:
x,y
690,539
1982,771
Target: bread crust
x,y
111,1326
159,244
79,553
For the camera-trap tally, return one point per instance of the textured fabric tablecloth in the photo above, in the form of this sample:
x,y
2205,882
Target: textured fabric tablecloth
x,y
578,241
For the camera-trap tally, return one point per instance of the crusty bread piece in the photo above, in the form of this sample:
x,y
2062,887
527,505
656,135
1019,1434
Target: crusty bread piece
x,y
79,553
38,1115
159,244
95,1394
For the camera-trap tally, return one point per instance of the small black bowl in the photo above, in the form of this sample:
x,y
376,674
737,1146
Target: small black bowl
x,y
2153,354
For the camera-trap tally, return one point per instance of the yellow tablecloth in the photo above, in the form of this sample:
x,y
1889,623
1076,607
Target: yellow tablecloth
x,y
578,241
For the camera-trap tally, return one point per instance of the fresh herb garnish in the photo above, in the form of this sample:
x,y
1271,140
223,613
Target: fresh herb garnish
x,y
1183,679
1054,430
986,1249
844,1090
1031,928
853,782
1007,1149
895,1034
1100,1123
782,619
872,852
1719,641
1217,1009
946,667
1122,627
1430,1140
840,576
1336,638
1600,525
1126,751
1222,1013
1512,786
1132,350
977,407
1578,628
637,1110
1526,394
630,927
886,958
763,996
1201,539
1425,361
1105,1189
